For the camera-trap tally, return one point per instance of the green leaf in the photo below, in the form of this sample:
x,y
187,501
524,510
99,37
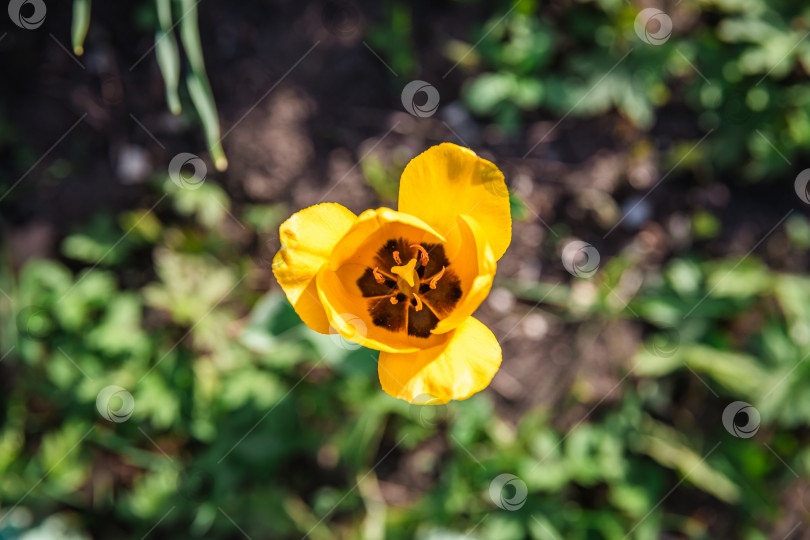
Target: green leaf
x,y
486,93
119,331
207,202
737,279
517,207
261,387
80,25
197,82
190,285
100,242
667,447
685,277
739,373
168,55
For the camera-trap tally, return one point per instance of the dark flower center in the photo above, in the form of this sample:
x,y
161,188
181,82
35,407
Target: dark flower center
x,y
411,286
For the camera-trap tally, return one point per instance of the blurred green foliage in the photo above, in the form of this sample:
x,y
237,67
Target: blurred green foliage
x,y
167,53
738,65
253,417
245,420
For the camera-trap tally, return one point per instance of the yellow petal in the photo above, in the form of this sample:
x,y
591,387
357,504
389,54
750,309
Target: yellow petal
x,y
456,369
448,181
475,264
346,308
372,229
307,240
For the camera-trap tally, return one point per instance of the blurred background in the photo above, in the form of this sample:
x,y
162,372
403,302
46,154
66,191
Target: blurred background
x,y
653,308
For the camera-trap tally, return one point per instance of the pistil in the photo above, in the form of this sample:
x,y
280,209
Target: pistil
x,y
406,273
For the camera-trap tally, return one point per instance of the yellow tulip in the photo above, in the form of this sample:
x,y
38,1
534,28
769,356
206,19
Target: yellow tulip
x,y
407,282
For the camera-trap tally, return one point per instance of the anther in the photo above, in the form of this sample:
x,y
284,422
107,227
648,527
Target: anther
x,y
394,300
418,303
435,279
377,275
424,255
396,257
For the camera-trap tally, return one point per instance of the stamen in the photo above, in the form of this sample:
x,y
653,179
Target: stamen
x,y
435,279
424,255
418,303
396,257
394,300
377,275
